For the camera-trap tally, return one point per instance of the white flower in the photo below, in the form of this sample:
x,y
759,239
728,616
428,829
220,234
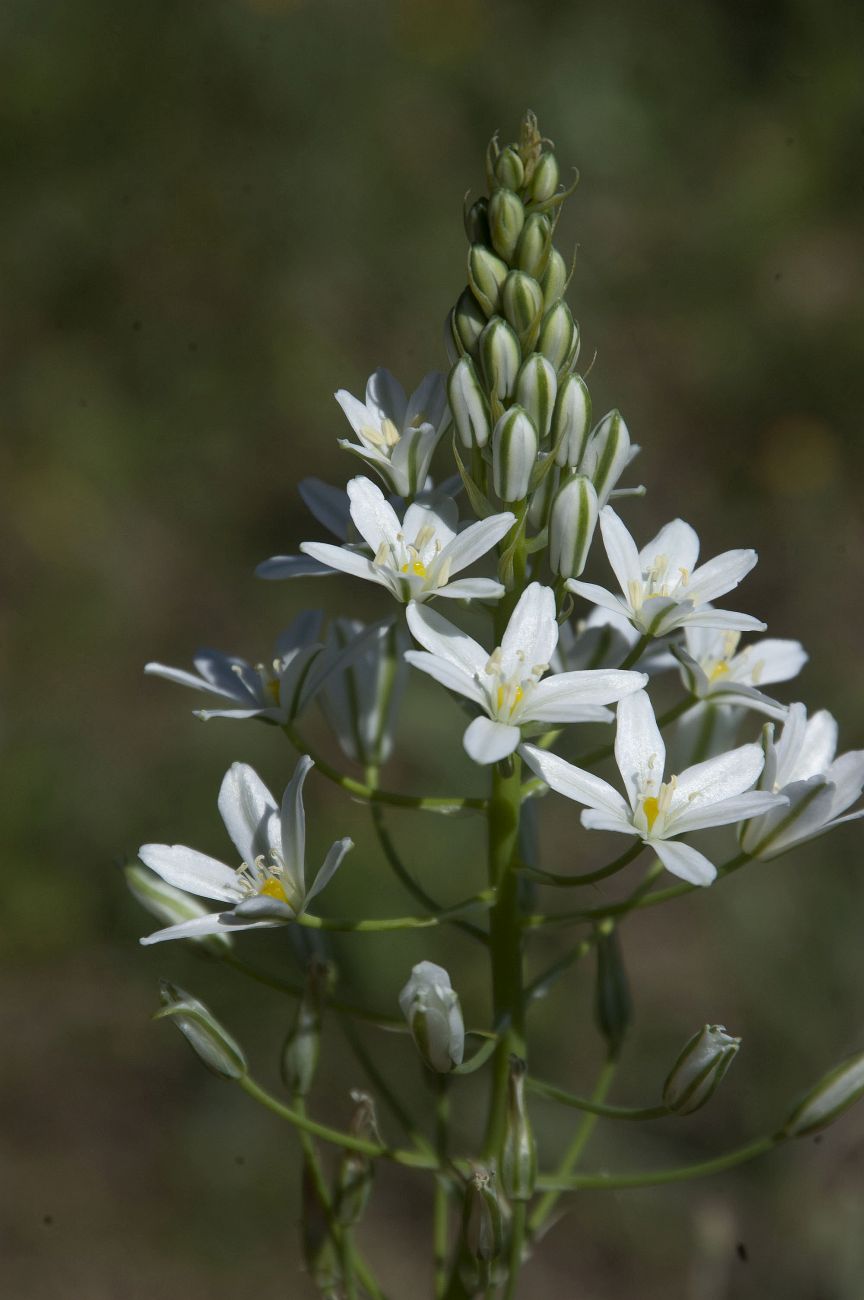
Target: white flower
x,y
709,794
431,1007
662,588
414,558
361,701
603,640
268,888
713,668
506,684
398,434
818,787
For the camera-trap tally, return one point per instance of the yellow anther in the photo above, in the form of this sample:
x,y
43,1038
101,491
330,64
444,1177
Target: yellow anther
x,y
720,669
417,567
274,889
651,807
389,433
273,687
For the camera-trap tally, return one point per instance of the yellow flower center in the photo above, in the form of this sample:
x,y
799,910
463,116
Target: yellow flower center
x,y
720,669
651,807
273,888
417,567
273,687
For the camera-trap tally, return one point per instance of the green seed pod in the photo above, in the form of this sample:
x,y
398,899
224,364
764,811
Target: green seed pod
x,y
703,1062
572,521
514,452
506,219
833,1094
553,281
468,321
571,421
500,357
477,222
559,338
522,303
612,1006
486,276
468,404
482,1225
535,243
544,182
519,1152
211,1043
509,171
536,387
356,1172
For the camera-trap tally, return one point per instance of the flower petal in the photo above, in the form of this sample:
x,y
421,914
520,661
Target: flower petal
x,y
475,541
589,686
442,638
684,861
487,741
720,575
771,660
739,808
469,589
339,557
385,398
195,872
328,504
717,778
329,867
215,923
595,820
679,543
574,783
355,412
707,616
621,550
639,749
293,566
448,674
532,633
599,596
249,812
428,402
375,519
183,678
293,825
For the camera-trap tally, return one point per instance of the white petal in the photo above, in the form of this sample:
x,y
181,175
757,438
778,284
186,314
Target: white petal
x,y
423,513
621,550
595,820
717,778
591,686
385,397
329,867
772,660
468,589
679,543
599,596
204,925
574,783
448,674
293,825
846,774
292,566
193,871
820,743
277,715
475,541
706,616
639,749
444,639
328,504
249,811
356,413
375,519
339,557
684,861
428,402
183,678
738,694
486,741
720,575
532,633
739,808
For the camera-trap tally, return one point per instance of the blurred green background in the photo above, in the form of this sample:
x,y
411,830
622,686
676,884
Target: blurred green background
x,y
215,214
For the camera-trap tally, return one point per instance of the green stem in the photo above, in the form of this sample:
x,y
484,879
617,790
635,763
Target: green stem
x,y
565,881
573,1153
657,1177
383,1089
382,924
518,1224
442,1189
637,651
539,987
505,941
594,1107
361,790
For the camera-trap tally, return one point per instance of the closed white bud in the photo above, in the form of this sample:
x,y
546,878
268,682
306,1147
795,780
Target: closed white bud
x,y
553,281
699,1069
836,1092
522,303
535,242
559,338
607,454
571,525
468,404
431,1007
468,321
486,275
500,358
211,1043
509,170
514,452
544,183
544,490
506,219
536,388
571,421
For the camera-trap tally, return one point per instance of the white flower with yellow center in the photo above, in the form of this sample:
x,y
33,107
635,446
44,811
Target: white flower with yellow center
x,y
269,887
506,684
715,670
415,557
398,434
661,585
713,793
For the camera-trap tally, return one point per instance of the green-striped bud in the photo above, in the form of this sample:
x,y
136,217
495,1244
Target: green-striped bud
x,y
500,358
553,281
431,1007
486,275
699,1069
535,242
833,1094
612,1006
607,454
482,1224
559,337
536,388
209,1041
522,304
519,1152
571,421
509,171
467,322
506,219
301,1048
477,222
571,525
356,1171
544,183
468,404
545,486
514,451
172,906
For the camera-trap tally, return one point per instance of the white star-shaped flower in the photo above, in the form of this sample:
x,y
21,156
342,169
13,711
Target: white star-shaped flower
x,y
715,670
398,434
415,557
713,793
661,585
818,786
269,886
506,684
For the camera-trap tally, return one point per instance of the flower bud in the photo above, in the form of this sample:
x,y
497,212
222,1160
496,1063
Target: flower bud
x,y
612,1005
572,521
506,219
468,404
301,1048
514,451
559,337
519,1152
839,1089
509,171
467,321
536,387
431,1007
535,242
699,1069
500,357
482,1226
545,180
545,486
210,1042
486,275
607,454
172,906
522,303
571,421
477,222
553,281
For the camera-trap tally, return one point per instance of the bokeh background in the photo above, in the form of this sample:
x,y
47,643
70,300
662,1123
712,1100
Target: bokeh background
x,y
212,216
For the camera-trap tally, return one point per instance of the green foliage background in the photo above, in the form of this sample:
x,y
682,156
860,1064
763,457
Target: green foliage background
x,y
214,214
